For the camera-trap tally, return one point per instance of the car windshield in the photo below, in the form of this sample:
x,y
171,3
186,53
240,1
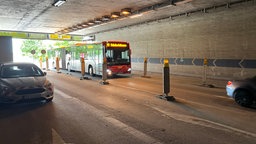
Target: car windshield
x,y
20,70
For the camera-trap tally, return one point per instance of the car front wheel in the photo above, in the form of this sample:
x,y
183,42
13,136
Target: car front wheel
x,y
243,98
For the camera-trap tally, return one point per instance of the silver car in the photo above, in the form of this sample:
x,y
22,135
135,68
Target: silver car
x,y
23,82
243,91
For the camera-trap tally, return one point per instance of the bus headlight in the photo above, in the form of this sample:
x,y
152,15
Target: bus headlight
x,y
129,69
109,72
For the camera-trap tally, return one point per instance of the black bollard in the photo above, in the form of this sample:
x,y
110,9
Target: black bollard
x,y
166,82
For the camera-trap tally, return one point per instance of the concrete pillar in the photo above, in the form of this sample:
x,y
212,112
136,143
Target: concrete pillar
x,y
6,54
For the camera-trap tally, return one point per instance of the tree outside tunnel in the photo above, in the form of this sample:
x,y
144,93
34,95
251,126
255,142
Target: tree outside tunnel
x,y
35,48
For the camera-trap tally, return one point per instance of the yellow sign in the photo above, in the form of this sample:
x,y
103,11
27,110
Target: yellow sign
x,y
53,36
66,37
90,46
117,45
60,37
40,36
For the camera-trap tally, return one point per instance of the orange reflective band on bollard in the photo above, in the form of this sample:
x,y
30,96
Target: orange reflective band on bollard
x,y
47,63
105,60
82,60
82,67
57,65
205,61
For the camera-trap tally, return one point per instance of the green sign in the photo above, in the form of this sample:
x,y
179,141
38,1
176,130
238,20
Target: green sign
x,y
41,36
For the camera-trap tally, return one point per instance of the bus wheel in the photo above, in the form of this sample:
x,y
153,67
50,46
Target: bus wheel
x,y
90,70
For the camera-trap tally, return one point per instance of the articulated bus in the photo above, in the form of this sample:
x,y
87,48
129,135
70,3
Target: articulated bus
x,y
118,56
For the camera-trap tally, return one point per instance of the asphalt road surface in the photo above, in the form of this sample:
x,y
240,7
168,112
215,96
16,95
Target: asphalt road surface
x,y
129,111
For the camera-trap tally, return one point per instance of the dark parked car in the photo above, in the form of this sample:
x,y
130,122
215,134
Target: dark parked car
x,y
23,82
243,91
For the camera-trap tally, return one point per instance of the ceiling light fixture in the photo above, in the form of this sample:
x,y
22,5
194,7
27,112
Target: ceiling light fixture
x,y
97,20
90,23
115,14
126,11
79,26
105,18
84,25
58,3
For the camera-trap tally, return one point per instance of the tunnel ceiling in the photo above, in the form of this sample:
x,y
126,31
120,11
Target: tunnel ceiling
x,y
42,17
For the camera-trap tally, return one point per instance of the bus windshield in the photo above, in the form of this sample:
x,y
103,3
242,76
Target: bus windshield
x,y
118,56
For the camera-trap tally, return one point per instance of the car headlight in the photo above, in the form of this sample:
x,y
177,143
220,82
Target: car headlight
x,y
4,90
129,69
48,86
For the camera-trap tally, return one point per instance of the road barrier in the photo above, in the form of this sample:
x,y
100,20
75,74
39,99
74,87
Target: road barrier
x,y
57,65
145,68
166,82
40,62
83,69
104,72
47,63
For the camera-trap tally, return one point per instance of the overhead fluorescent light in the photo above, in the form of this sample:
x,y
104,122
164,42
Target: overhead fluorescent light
x,y
58,3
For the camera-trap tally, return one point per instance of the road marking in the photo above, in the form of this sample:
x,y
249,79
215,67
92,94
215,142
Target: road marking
x,y
56,138
204,122
62,93
106,117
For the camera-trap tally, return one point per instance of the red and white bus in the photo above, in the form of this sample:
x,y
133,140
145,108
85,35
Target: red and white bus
x,y
118,55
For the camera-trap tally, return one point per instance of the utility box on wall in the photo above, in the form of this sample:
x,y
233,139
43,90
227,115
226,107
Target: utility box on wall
x,y
6,53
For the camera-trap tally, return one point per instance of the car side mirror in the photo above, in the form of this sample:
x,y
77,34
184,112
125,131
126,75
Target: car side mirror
x,y
45,73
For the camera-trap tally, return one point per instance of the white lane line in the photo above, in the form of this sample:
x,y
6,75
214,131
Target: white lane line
x,y
62,93
106,117
56,138
178,99
204,122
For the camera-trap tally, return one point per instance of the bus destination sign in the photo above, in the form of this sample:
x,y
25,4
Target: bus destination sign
x,y
117,45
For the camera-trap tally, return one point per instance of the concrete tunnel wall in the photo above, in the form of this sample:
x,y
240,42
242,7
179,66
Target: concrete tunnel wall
x,y
225,36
